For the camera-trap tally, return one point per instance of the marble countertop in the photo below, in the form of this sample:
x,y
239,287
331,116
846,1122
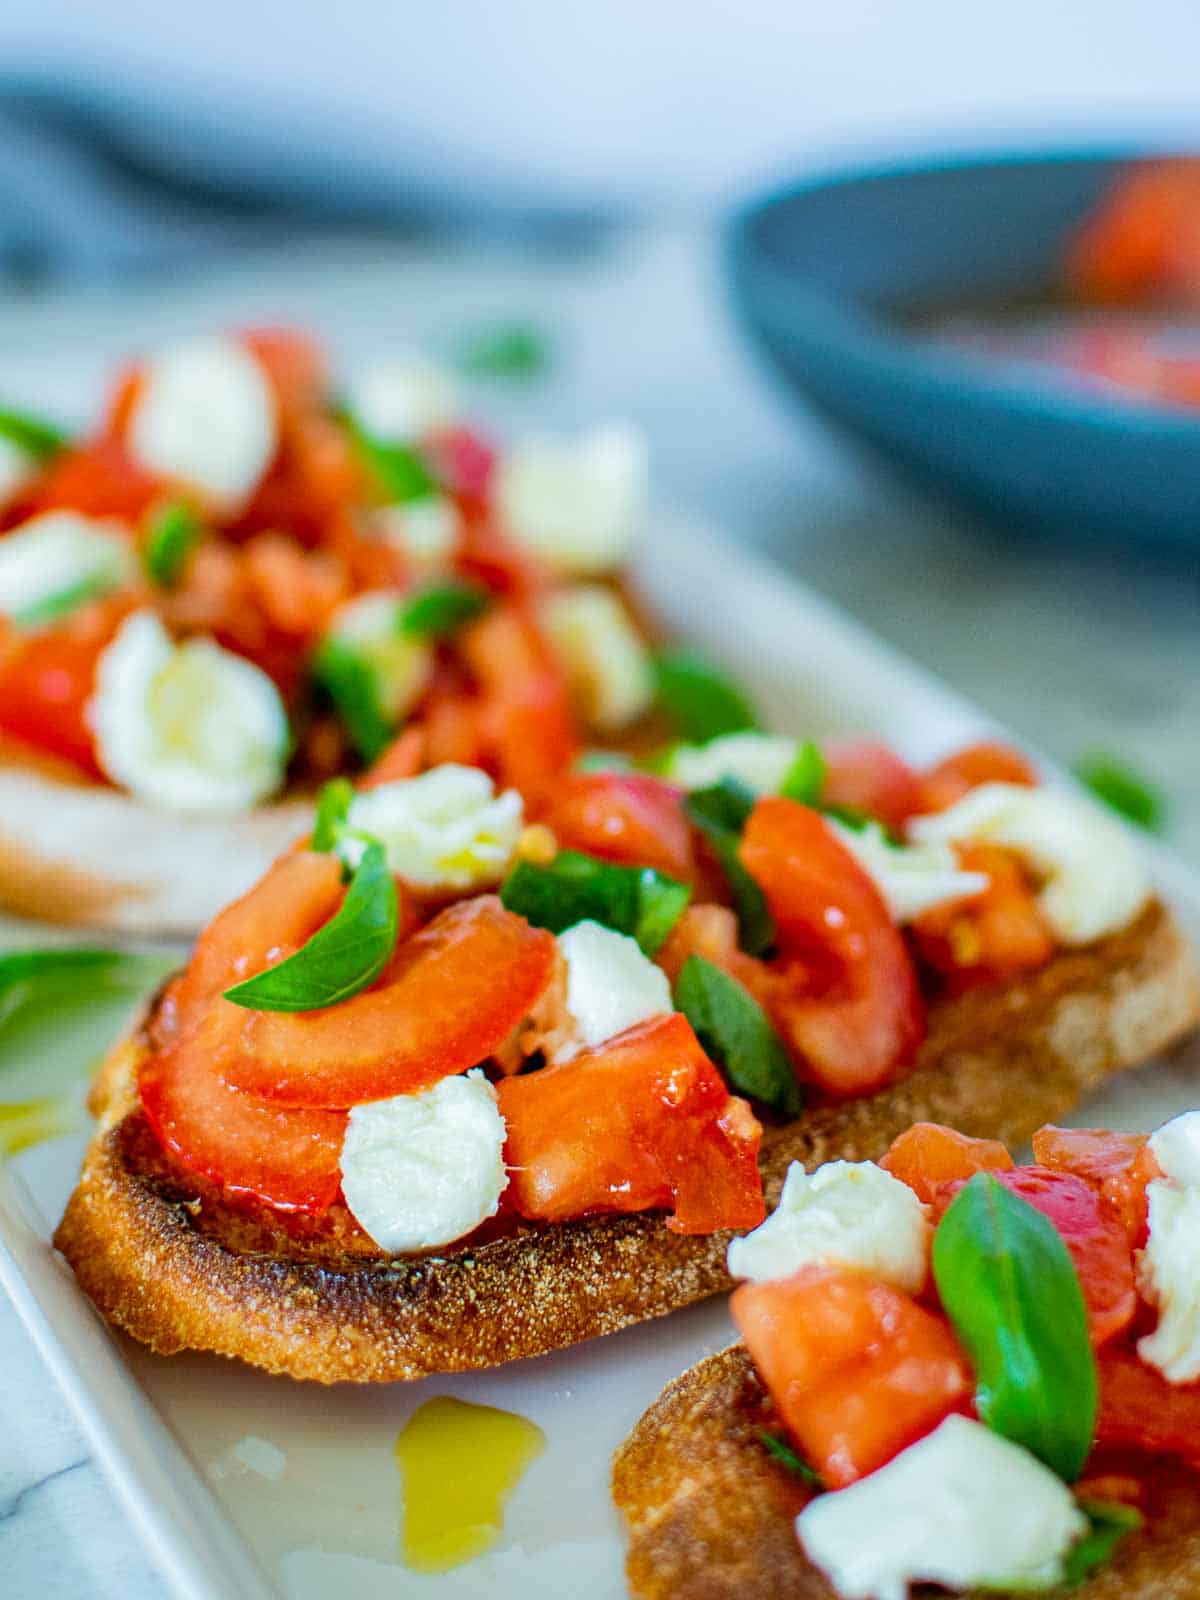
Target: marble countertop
x,y
1073,649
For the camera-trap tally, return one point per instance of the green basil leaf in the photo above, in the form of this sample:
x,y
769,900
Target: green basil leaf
x,y
350,684
698,698
579,888
401,471
1110,1522
1009,1286
513,350
806,775
175,531
787,1457
53,606
31,977
36,437
341,958
443,608
1122,789
333,807
735,1032
721,812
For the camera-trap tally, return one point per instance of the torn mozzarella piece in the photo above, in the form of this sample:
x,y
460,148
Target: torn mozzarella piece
x,y
761,761
576,506
963,1507
421,1170
17,467
911,878
426,532
1094,883
610,986
607,664
61,551
189,727
846,1213
206,417
1176,1148
446,829
400,401
400,666
1169,1278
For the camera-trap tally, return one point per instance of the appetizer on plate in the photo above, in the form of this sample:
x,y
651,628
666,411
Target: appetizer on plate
x,y
479,1072
238,585
956,1372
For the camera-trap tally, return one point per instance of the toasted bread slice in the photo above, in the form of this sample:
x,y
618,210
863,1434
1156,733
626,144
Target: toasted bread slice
x,y
179,1266
711,1515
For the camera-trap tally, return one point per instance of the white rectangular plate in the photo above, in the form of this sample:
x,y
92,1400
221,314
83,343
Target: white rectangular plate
x,y
318,1511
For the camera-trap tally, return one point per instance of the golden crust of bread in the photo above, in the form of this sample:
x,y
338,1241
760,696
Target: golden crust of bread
x,y
710,1514
173,1262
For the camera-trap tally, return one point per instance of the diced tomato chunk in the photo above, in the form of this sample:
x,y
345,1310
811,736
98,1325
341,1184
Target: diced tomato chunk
x,y
452,995
642,1122
99,479
847,1001
863,775
524,708
403,758
1098,1243
294,365
928,1155
1118,1165
989,936
633,819
858,1370
1140,1410
464,460
712,932
986,762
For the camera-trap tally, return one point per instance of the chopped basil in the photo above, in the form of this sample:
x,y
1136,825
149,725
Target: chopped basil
x,y
1009,1286
38,438
787,1457
735,1032
1110,1522
579,888
333,807
341,958
806,775
513,350
175,531
698,698
442,608
401,472
53,606
28,977
350,684
721,812
1120,787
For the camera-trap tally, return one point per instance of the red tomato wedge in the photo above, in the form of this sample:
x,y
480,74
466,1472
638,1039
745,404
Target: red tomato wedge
x,y
991,935
637,821
1118,1165
864,775
862,1027
452,995
643,1122
1098,1244
1140,1410
986,762
928,1155
857,1369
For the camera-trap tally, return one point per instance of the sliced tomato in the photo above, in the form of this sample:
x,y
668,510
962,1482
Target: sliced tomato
x,y
1098,1243
712,932
636,820
452,995
1118,1165
847,1000
863,775
99,479
989,761
856,1368
990,936
1140,1410
524,708
928,1155
642,1122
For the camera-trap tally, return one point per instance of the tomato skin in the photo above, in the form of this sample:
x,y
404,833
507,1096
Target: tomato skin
x,y
524,710
866,776
633,819
865,1028
1119,1166
1139,1409
1098,1244
452,995
857,1369
928,1155
989,761
990,936
642,1122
